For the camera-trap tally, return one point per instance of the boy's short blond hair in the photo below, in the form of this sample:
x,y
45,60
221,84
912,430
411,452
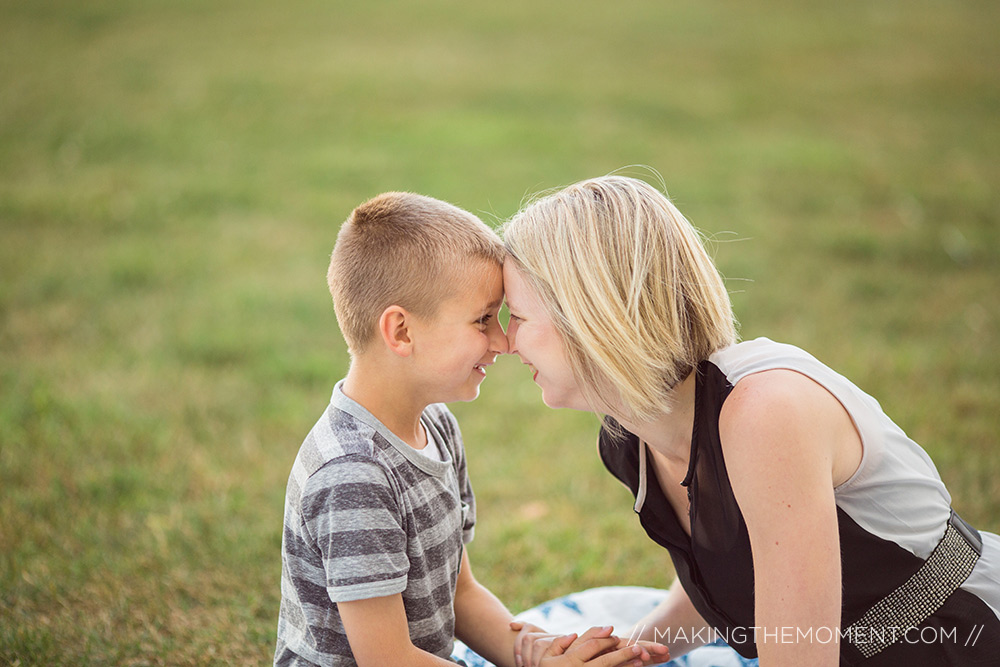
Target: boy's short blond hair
x,y
402,249
628,285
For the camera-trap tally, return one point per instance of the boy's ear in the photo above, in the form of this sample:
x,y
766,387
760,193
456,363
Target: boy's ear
x,y
394,327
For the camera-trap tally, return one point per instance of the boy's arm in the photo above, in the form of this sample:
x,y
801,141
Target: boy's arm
x,y
481,620
483,623
379,635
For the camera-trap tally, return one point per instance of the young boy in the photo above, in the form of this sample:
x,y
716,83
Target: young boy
x,y
379,506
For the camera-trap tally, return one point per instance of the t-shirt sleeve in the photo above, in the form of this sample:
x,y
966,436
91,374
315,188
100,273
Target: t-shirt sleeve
x,y
354,519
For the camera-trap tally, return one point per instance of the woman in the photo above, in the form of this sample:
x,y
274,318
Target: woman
x,y
804,526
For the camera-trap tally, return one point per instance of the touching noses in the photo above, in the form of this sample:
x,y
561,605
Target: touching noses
x,y
498,339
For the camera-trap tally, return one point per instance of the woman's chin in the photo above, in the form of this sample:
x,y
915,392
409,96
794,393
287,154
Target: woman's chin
x,y
558,401
550,400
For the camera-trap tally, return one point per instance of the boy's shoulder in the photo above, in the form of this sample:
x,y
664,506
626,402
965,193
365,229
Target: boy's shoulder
x,y
341,452
337,435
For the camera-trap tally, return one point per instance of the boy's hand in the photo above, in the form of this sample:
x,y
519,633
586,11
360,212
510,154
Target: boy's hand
x,y
598,648
530,644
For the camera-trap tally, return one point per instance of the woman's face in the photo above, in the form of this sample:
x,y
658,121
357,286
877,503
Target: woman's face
x,y
533,337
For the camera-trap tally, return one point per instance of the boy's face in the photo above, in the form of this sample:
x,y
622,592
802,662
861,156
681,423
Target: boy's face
x,y
455,346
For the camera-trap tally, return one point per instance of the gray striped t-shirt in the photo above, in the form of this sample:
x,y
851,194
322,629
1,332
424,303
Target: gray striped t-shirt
x,y
368,516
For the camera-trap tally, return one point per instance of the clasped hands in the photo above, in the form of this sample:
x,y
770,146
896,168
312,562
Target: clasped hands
x,y
597,647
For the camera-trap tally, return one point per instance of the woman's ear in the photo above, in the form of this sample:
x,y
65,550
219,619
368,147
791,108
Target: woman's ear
x,y
394,327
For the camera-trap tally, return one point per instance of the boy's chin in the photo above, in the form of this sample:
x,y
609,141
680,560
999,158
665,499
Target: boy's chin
x,y
469,395
460,395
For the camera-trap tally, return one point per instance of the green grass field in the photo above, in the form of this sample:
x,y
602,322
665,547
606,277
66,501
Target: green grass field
x,y
172,177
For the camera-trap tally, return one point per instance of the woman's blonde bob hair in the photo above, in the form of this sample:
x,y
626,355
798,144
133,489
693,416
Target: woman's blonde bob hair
x,y
629,286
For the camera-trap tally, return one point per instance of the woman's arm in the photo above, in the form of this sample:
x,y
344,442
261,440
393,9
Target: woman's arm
x,y
674,622
784,436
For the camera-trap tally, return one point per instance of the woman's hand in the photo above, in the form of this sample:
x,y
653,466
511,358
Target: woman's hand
x,y
651,653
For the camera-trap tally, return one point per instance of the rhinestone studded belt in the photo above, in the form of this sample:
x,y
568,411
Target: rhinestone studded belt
x,y
947,568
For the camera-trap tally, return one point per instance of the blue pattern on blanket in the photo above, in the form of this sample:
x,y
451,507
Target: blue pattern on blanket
x,y
545,609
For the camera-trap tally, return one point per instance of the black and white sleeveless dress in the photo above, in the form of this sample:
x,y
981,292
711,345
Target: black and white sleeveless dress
x,y
921,587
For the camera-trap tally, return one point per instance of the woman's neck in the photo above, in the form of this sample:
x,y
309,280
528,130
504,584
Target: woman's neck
x,y
669,433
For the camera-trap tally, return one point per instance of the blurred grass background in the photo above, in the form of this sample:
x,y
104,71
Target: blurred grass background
x,y
173,174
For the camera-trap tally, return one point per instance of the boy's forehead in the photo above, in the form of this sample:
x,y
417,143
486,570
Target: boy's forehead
x,y
477,272
480,278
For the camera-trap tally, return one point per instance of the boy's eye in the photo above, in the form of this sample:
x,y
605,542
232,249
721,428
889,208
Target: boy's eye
x,y
485,319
